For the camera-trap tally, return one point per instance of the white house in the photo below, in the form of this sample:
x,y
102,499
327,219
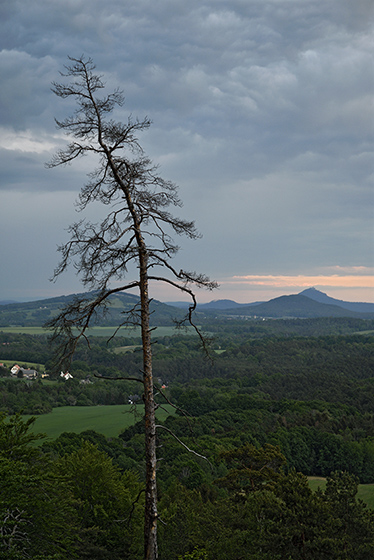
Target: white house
x,y
66,375
15,369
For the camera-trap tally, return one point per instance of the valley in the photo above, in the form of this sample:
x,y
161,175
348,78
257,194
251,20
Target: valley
x,y
287,402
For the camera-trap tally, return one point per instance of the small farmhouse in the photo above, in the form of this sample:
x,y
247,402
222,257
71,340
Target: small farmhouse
x,y
29,373
16,371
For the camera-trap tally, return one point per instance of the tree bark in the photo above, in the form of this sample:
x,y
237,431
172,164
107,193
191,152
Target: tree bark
x,y
150,520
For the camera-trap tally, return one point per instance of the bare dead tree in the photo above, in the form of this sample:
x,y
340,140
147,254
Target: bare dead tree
x,y
138,229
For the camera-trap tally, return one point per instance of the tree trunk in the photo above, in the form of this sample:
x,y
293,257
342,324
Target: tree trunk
x,y
150,521
102,251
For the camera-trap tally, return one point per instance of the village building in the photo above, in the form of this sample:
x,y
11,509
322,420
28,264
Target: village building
x,y
16,371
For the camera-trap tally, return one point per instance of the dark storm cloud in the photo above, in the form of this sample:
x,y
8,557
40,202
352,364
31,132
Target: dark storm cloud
x,y
262,111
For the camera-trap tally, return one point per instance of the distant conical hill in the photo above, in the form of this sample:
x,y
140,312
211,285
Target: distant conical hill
x,y
298,306
310,303
358,307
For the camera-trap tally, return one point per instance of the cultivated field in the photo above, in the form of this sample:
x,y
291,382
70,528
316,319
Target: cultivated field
x,y
102,331
107,420
30,365
365,491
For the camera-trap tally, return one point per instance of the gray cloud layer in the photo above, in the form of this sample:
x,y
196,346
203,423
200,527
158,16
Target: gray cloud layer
x,y
262,111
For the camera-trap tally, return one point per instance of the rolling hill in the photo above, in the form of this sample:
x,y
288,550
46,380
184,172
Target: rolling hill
x,y
310,303
37,313
298,306
358,307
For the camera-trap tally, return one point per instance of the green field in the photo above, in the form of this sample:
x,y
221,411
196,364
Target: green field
x,y
107,420
124,349
365,491
24,330
102,331
30,365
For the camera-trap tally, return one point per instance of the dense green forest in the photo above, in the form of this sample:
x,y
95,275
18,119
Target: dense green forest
x,y
279,401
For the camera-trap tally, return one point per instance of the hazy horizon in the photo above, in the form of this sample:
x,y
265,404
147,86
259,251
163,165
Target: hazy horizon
x,y
200,301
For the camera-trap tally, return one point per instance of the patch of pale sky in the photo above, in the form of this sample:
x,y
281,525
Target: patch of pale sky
x,y
25,141
346,281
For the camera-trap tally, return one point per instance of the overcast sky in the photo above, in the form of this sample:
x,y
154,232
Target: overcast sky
x,y
262,113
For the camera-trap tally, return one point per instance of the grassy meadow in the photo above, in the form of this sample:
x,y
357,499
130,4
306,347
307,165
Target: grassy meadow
x,y
112,420
365,491
107,420
25,330
30,365
102,331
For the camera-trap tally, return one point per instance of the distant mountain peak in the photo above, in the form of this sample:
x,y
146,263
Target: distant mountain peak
x,y
321,297
311,289
315,294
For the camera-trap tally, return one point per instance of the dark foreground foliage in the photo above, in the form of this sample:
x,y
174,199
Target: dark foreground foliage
x,y
77,504
312,396
272,408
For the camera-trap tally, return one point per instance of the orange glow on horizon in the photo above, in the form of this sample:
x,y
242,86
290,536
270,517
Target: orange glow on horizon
x,y
336,281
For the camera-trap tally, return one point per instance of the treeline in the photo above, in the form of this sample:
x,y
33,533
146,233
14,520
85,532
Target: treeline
x,y
312,396
37,348
37,397
333,368
240,330
224,332
22,347
72,499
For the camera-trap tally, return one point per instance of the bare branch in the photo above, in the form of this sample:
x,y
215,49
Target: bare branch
x,y
135,232
189,315
183,412
133,506
160,426
119,378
